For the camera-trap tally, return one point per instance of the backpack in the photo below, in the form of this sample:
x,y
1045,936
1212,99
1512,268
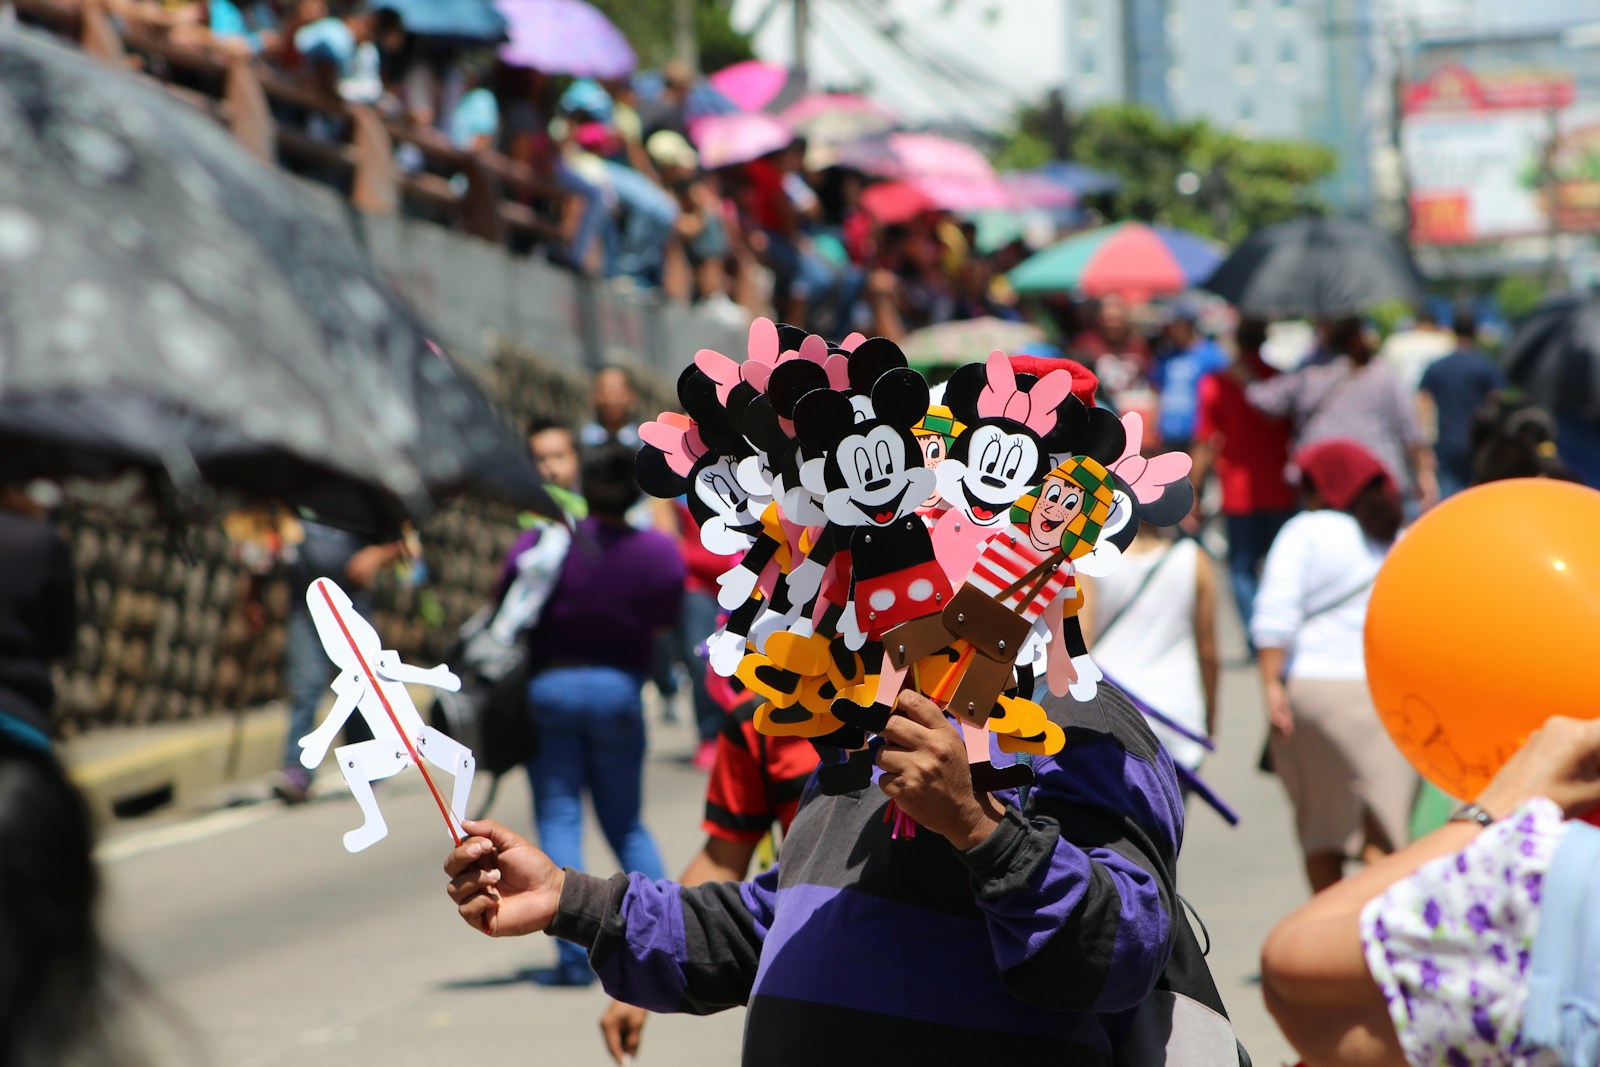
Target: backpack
x,y
1183,1021
489,714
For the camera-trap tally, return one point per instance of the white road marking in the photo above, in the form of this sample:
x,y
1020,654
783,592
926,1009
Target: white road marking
x,y
126,846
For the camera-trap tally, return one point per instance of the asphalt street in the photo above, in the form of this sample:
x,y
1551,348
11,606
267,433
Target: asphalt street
x,y
262,942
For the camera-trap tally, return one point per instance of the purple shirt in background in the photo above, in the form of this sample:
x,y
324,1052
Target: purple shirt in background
x,y
618,588
1368,404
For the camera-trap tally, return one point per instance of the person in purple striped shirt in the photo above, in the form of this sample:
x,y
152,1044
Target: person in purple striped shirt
x,y
1018,927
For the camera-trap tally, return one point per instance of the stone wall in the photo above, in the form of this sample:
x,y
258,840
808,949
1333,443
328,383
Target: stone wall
x,y
163,635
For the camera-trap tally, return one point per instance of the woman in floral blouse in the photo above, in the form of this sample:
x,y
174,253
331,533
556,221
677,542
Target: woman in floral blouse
x,y
1426,957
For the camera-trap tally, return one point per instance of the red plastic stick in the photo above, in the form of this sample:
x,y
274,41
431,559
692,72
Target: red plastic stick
x,y
372,680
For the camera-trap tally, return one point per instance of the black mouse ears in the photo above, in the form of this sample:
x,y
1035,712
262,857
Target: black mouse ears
x,y
900,398
822,419
870,360
656,476
697,392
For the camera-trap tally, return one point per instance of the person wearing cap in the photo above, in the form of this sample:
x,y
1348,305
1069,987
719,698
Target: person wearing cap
x,y
1351,788
936,434
598,152
701,230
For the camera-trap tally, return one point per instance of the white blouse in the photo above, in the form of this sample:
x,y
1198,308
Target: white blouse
x,y
1304,603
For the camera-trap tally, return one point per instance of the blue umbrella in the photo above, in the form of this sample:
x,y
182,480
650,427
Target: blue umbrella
x,y
706,100
1081,179
472,20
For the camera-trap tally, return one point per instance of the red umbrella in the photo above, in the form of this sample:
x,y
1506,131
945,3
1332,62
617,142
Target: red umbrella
x,y
901,201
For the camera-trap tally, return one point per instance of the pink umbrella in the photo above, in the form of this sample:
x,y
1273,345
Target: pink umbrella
x,y
1036,192
758,86
919,155
829,120
564,37
738,138
812,108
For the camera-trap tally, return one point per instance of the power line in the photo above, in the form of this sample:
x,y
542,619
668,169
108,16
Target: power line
x,y
925,69
923,82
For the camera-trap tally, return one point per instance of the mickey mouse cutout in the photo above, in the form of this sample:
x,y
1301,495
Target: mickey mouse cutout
x,y
872,482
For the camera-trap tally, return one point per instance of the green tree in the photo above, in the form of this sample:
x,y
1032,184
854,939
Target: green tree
x,y
1185,173
649,27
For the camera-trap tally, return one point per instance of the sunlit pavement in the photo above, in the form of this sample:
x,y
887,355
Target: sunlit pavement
x,y
263,942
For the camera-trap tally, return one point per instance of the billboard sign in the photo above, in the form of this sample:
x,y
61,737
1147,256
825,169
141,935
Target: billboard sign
x,y
1498,154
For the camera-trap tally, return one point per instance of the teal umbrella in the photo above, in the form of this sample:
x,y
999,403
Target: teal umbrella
x,y
951,344
466,20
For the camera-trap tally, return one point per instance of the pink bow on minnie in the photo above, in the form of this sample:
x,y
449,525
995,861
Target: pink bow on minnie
x,y
762,355
1147,476
1035,409
678,438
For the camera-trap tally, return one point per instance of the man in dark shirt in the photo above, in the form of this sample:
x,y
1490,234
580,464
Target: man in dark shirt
x,y
38,617
1453,389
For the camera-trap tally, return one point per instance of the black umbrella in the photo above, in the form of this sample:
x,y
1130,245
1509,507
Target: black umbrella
x,y
1554,356
170,304
1315,268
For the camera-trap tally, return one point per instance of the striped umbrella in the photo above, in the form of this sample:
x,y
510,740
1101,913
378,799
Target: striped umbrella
x,y
1130,259
951,344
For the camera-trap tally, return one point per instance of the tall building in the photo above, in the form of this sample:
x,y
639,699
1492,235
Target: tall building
x,y
1263,68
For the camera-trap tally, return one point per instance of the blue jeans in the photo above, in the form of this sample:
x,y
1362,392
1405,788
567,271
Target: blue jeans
x,y
308,673
1249,537
809,277
650,213
1450,483
593,220
697,620
591,739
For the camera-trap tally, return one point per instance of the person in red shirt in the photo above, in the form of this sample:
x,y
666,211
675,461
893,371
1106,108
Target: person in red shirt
x,y
1248,451
697,620
757,780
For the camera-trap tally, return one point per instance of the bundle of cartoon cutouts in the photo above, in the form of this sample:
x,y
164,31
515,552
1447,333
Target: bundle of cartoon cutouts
x,y
889,540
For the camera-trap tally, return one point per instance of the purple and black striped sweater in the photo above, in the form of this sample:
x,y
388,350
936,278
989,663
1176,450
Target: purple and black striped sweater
x,y
862,949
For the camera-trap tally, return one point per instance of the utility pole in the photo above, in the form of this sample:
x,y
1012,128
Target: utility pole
x,y
1058,122
685,46
802,20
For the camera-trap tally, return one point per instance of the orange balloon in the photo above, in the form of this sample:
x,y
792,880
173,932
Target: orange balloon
x,y
1484,622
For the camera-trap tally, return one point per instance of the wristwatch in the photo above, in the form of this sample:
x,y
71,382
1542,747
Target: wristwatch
x,y
1472,813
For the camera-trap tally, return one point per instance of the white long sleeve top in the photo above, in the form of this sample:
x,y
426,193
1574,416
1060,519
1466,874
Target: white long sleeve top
x,y
1317,560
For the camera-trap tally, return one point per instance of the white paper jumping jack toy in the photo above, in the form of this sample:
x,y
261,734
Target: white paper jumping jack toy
x,y
372,681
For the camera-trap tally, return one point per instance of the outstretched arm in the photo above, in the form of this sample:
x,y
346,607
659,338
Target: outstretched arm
x,y
659,945
440,677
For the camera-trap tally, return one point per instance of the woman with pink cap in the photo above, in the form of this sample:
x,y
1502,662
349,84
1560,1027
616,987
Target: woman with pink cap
x,y
1351,788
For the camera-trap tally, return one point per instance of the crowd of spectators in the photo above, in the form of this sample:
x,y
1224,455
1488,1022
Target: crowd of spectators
x,y
623,184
